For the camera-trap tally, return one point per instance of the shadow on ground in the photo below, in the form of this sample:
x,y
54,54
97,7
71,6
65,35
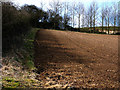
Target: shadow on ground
x,y
49,50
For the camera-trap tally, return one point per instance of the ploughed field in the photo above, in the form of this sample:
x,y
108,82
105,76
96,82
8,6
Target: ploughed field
x,y
68,59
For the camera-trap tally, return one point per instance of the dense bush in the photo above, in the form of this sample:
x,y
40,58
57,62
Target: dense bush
x,y
15,24
42,19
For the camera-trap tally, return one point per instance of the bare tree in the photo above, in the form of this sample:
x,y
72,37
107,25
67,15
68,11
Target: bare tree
x,y
114,15
66,16
83,17
73,12
42,4
79,12
103,17
91,15
95,8
107,18
118,16
87,18
56,8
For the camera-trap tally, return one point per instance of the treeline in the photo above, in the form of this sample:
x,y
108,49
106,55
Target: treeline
x,y
76,14
90,17
42,19
18,21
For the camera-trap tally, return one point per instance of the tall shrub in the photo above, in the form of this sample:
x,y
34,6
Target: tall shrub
x,y
15,24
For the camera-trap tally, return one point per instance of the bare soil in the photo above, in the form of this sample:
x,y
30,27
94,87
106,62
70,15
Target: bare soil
x,y
73,59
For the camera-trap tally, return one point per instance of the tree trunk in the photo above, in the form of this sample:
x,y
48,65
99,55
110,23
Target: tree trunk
x,y
108,25
79,22
102,23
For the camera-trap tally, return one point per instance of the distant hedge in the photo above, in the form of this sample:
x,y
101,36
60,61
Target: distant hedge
x,y
15,24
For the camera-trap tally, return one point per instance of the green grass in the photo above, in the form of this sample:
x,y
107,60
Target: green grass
x,y
90,30
10,82
27,53
29,47
111,28
13,83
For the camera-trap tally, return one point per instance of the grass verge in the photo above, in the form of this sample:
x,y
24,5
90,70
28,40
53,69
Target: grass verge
x,y
18,65
29,47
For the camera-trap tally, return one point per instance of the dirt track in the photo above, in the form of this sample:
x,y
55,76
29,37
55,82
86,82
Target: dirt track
x,y
73,59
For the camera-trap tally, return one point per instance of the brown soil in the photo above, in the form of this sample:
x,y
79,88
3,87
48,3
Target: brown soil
x,y
74,59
